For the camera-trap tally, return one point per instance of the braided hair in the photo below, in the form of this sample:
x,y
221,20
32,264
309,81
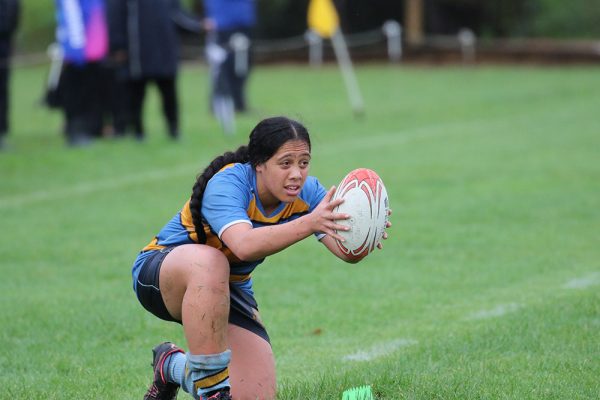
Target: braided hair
x,y
265,139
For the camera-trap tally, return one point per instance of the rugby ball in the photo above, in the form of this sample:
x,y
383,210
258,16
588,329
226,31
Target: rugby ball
x,y
366,201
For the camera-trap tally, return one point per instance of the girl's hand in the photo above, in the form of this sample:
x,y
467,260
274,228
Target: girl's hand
x,y
385,235
323,218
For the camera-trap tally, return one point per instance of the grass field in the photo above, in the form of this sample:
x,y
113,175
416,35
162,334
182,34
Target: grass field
x,y
488,287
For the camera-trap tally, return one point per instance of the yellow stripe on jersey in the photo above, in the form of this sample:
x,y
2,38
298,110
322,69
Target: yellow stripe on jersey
x,y
211,239
212,380
239,278
298,206
227,166
153,245
188,222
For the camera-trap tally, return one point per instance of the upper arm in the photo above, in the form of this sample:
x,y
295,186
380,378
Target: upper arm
x,y
234,238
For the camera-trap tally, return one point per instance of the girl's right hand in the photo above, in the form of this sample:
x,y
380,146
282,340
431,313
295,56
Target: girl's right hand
x,y
323,217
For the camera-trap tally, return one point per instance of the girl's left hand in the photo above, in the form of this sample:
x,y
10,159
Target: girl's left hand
x,y
385,235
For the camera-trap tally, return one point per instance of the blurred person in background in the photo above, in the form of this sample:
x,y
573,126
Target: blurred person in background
x,y
146,38
229,25
83,38
9,20
117,98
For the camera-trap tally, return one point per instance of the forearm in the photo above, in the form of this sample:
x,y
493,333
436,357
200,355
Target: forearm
x,y
332,246
250,244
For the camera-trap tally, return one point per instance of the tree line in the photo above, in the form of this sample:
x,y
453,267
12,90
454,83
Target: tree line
x,y
575,19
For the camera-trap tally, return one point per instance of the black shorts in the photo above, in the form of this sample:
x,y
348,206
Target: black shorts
x,y
243,309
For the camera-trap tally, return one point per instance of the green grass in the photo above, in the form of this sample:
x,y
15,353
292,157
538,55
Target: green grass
x,y
486,289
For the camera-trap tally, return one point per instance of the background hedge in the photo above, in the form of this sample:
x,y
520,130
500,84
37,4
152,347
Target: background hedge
x,y
577,19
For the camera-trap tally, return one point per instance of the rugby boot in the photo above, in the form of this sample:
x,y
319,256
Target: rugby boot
x,y
222,394
161,389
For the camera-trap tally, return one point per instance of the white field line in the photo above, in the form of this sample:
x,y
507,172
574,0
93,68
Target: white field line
x,y
495,312
97,186
379,350
592,279
357,143
382,139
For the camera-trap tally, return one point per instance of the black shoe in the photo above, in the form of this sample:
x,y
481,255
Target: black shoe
x,y
160,388
222,394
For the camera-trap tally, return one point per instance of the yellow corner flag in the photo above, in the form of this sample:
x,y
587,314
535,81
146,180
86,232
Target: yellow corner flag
x,y
323,17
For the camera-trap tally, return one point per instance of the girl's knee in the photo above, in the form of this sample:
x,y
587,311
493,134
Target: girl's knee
x,y
212,266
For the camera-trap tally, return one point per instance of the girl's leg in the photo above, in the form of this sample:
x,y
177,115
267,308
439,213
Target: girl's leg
x,y
252,367
194,283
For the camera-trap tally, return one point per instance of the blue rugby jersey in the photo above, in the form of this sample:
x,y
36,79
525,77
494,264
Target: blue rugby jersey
x,y
230,198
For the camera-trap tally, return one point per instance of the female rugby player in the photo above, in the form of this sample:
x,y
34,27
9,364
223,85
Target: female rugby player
x,y
245,206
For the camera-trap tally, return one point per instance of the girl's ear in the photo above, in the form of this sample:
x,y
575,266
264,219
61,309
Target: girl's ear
x,y
260,167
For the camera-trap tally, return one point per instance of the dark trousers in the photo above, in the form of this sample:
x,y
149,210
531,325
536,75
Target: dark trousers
x,y
5,52
170,106
81,101
115,97
4,79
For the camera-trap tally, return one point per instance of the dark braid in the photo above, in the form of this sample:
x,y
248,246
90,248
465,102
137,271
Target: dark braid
x,y
239,156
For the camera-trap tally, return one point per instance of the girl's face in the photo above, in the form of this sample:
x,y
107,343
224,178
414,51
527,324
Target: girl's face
x,y
282,176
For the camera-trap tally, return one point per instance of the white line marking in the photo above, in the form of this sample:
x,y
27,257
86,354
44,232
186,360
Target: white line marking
x,y
379,350
96,186
495,312
378,140
328,148
582,283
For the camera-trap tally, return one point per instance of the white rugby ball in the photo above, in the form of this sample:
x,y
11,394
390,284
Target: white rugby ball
x,y
366,201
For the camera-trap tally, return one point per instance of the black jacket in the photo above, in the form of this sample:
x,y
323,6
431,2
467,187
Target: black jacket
x,y
9,17
9,20
147,31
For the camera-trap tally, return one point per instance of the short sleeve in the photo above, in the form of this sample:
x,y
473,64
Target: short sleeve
x,y
318,192
226,198
315,192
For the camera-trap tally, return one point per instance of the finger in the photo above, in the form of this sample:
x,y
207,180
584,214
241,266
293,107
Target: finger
x,y
339,216
380,245
389,212
384,236
339,227
334,203
329,194
388,224
334,235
